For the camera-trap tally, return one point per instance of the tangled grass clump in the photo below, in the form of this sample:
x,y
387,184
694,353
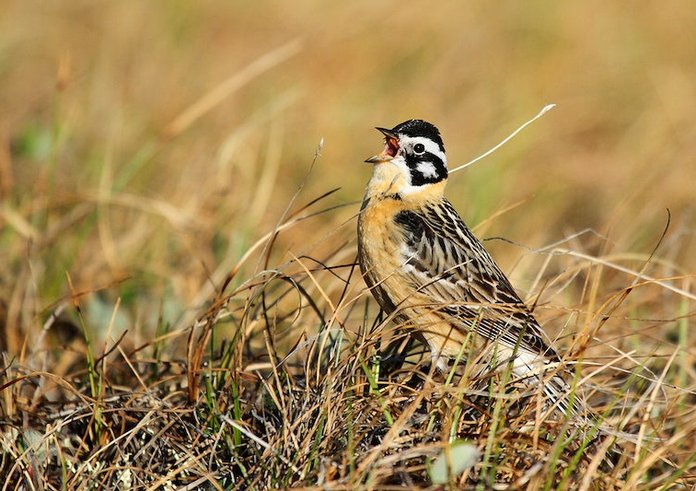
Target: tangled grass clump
x,y
290,378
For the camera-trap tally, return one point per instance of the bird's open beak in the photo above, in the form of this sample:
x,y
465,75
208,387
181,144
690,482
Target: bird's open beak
x,y
391,147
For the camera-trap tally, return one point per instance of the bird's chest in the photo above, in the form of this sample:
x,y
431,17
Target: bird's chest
x,y
380,244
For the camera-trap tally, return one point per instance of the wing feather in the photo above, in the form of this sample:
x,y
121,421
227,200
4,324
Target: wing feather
x,y
451,267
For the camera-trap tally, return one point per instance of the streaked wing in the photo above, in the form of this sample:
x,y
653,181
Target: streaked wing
x,y
446,263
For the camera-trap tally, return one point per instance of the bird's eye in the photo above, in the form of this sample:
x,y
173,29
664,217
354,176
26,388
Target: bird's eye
x,y
419,148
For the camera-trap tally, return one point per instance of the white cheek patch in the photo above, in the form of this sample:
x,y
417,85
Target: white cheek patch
x,y
427,169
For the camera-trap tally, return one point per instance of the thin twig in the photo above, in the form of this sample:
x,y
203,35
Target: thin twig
x,y
543,111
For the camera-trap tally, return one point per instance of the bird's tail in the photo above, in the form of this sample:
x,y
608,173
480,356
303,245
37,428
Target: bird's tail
x,y
568,400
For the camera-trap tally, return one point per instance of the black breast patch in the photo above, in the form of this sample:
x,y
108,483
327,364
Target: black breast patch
x,y
411,222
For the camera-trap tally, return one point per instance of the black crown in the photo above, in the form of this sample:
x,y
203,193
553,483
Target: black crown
x,y
418,127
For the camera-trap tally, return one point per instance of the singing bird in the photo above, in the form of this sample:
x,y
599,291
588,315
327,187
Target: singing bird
x,y
423,264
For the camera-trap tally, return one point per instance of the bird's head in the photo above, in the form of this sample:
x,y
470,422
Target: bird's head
x,y
413,158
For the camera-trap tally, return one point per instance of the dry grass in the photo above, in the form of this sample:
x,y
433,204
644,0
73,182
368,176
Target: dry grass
x,y
178,301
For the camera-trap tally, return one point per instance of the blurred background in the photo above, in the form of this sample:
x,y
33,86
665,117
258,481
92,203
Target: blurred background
x,y
145,146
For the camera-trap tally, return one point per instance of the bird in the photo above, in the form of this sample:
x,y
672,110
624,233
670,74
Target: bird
x,y
428,271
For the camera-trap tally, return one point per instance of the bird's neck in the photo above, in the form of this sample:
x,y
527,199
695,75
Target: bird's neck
x,y
389,182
